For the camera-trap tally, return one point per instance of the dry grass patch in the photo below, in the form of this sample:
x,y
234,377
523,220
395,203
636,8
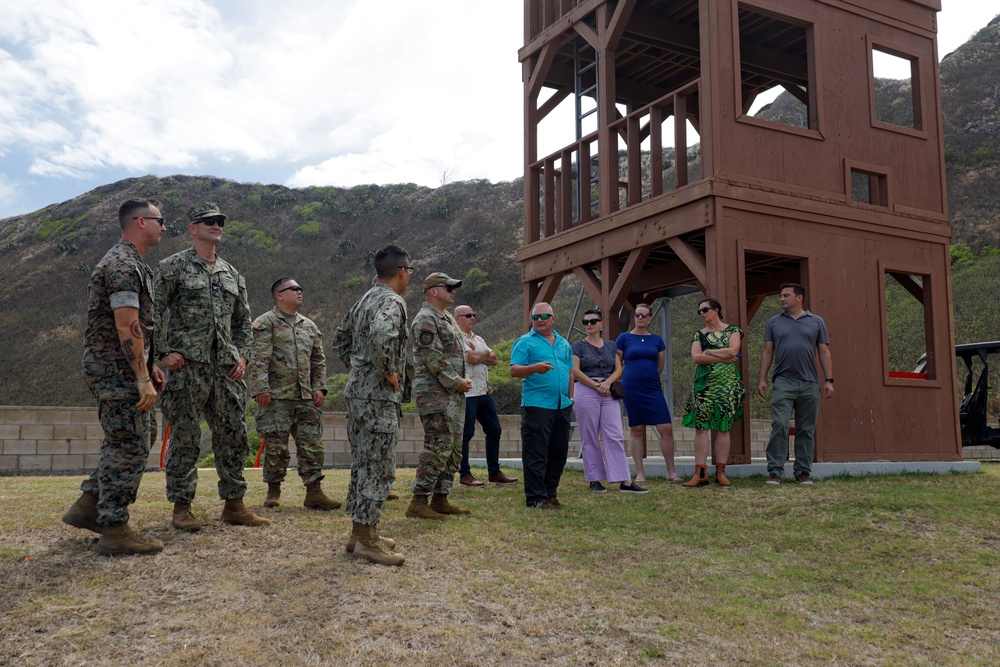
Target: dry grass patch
x,y
877,571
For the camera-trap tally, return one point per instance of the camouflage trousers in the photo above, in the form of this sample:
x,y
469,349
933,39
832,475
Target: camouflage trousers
x,y
303,421
204,389
371,429
442,455
124,452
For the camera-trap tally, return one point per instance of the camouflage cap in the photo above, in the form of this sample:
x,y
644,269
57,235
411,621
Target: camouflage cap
x,y
436,279
205,210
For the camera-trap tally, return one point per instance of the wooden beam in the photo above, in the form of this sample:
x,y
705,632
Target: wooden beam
x,y
550,104
541,68
587,33
691,258
618,22
590,281
910,284
753,305
629,274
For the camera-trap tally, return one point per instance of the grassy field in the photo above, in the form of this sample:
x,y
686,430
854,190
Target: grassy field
x,y
876,571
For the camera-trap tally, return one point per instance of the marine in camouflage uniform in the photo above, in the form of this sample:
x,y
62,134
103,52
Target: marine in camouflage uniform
x,y
439,386
373,342
288,382
203,333
122,379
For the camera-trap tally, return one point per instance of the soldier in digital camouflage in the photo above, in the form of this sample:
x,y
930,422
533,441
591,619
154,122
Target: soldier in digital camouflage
x,y
288,382
203,335
373,342
118,370
439,386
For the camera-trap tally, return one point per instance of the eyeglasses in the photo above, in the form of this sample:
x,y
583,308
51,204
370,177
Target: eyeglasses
x,y
294,288
162,221
541,316
409,269
587,323
469,315
702,311
641,316
210,222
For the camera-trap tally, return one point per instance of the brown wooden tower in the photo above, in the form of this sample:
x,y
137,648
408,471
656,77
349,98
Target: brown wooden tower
x,y
674,176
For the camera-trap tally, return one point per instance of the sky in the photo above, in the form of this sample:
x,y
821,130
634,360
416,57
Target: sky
x,y
299,93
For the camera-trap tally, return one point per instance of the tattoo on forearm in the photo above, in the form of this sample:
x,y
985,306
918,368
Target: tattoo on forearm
x,y
136,330
129,353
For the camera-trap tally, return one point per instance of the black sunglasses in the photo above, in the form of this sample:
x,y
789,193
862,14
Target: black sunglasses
x,y
162,221
702,311
294,288
469,315
589,322
541,316
210,222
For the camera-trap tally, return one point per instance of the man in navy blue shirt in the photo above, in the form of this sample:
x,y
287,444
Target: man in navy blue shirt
x,y
792,339
544,361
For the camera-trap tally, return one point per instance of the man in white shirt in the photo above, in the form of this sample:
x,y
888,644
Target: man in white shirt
x,y
479,404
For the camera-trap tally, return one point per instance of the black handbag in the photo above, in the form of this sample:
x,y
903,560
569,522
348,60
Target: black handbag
x,y
616,389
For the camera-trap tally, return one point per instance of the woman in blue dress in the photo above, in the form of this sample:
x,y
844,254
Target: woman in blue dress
x,y
644,356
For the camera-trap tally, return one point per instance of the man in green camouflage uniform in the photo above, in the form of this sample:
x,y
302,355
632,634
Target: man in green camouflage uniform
x,y
372,341
203,333
439,386
288,381
118,370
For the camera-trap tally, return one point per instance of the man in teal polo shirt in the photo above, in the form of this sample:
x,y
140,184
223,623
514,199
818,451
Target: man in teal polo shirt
x,y
544,361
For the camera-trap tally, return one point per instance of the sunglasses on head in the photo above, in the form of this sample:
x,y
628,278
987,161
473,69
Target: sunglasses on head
x,y
210,222
591,321
702,311
541,316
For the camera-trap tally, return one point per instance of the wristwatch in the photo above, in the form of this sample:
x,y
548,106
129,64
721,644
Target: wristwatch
x,y
830,380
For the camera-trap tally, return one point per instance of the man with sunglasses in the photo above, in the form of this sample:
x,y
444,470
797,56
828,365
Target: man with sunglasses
x,y
288,382
544,361
439,386
479,405
118,369
203,334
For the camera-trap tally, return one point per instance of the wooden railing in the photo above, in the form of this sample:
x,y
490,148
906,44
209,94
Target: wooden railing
x,y
567,184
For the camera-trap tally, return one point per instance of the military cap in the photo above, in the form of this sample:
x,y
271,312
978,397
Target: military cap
x,y
205,210
436,279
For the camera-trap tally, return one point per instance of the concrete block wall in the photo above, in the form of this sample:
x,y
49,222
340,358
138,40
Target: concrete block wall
x,y
59,440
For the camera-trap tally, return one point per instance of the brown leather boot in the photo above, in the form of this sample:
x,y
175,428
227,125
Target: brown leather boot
x,y
441,505
273,494
238,514
353,539
83,513
419,509
120,540
183,519
392,496
700,478
316,499
720,475
371,548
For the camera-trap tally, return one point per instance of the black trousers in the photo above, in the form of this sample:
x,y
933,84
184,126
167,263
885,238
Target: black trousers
x,y
544,445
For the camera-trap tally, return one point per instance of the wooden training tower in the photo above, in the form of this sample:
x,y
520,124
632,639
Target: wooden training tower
x,y
674,177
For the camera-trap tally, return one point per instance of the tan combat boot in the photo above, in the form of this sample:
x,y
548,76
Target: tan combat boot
x,y
183,519
273,494
371,548
355,534
441,505
120,540
316,499
238,514
419,509
83,513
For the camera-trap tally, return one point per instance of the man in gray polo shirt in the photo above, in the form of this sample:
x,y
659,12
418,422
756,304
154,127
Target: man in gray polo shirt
x,y
792,339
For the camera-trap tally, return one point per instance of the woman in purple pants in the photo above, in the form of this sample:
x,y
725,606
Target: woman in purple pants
x,y
596,365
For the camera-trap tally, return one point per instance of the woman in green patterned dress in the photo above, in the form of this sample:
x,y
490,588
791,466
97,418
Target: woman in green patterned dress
x,y
716,400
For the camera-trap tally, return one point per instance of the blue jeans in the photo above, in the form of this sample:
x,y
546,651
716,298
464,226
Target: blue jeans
x,y
483,409
802,397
